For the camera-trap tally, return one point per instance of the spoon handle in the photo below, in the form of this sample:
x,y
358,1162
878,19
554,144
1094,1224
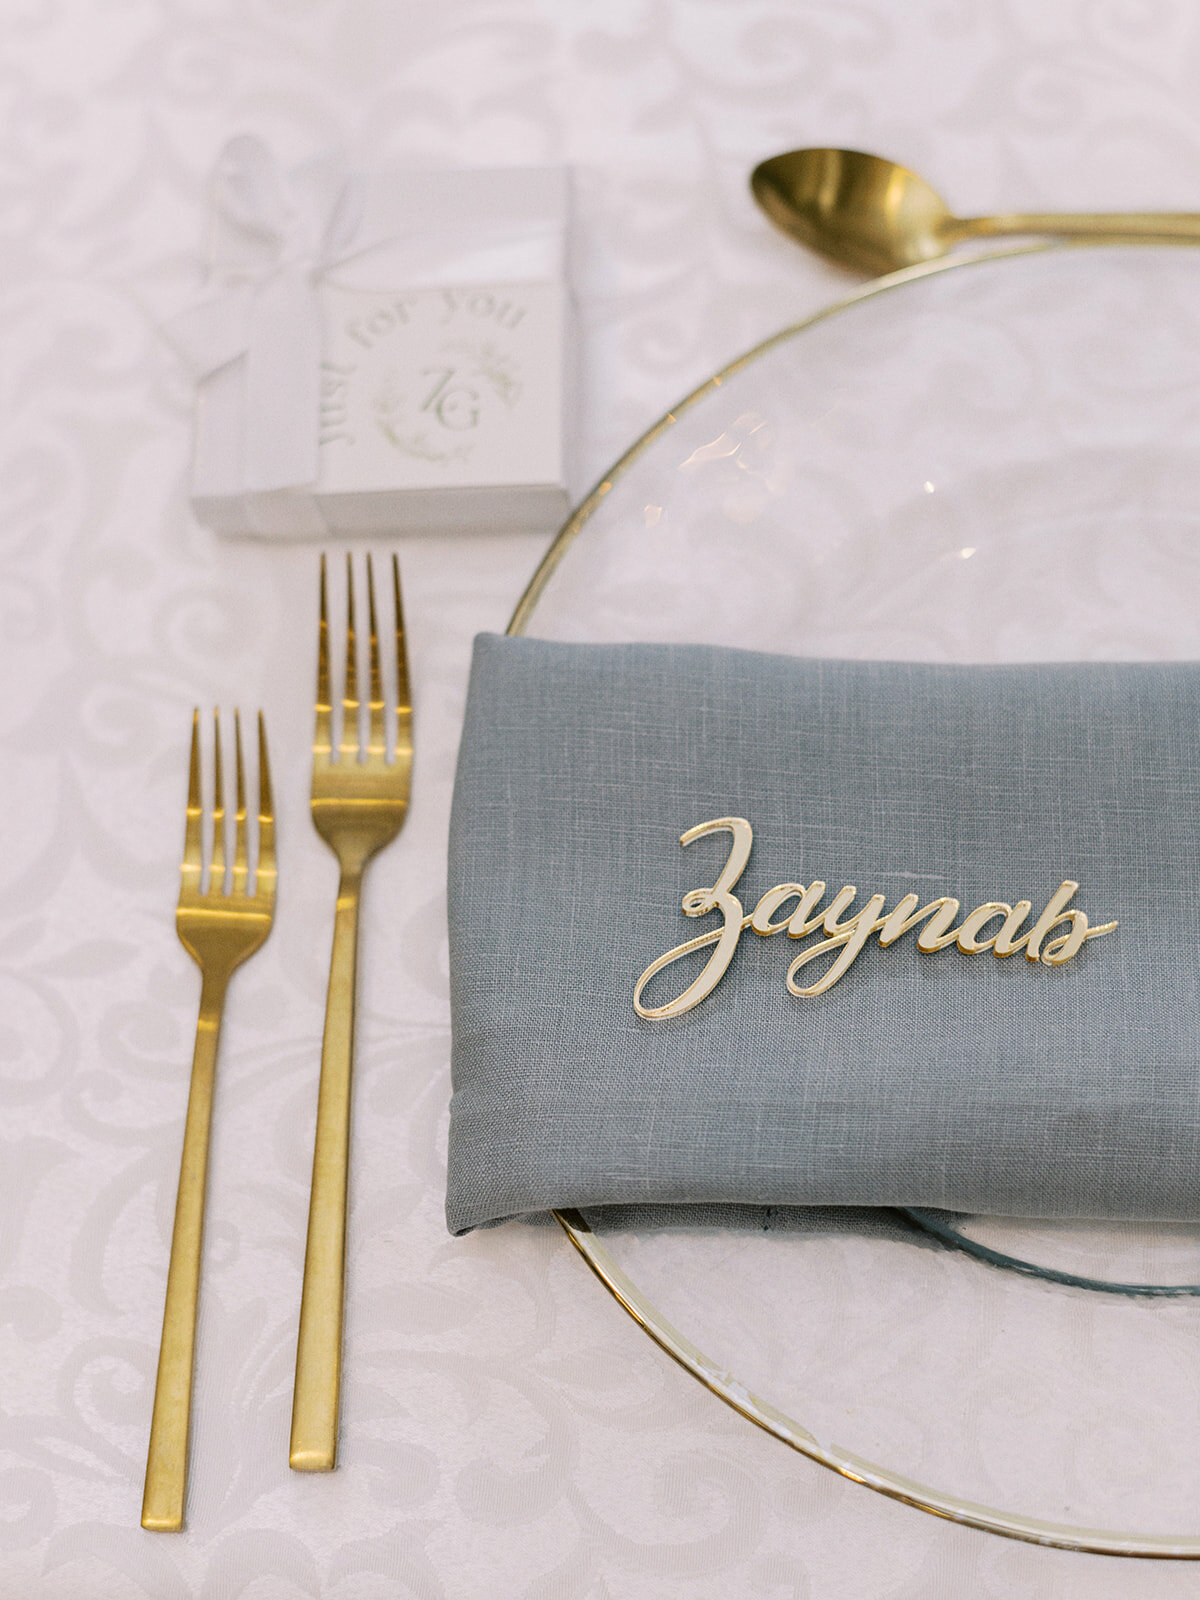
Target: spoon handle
x,y
1083,225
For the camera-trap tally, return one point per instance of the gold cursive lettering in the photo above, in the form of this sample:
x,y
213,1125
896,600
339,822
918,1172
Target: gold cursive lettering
x,y
848,937
695,904
771,902
851,936
1007,943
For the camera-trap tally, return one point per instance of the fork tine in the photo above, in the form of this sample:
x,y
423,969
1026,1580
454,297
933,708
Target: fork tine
x,y
193,849
349,744
322,735
216,872
264,883
239,832
376,736
403,698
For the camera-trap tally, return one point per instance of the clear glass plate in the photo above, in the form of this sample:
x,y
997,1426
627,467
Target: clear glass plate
x,y
995,460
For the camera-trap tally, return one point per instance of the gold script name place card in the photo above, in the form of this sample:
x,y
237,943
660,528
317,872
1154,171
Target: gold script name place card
x,y
795,908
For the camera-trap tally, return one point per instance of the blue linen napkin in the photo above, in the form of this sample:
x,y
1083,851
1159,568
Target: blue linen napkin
x,y
942,1079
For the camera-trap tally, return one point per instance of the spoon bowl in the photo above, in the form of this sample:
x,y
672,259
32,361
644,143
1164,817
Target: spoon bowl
x,y
875,216
859,210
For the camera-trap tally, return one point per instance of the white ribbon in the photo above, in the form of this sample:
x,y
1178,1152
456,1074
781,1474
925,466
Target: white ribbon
x,y
274,233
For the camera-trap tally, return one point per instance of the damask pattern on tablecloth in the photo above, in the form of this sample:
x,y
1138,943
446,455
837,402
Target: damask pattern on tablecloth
x,y
506,1431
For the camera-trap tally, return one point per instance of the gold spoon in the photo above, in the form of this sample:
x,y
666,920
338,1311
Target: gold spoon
x,y
875,216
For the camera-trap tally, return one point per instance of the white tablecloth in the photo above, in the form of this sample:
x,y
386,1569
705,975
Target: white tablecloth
x,y
506,1431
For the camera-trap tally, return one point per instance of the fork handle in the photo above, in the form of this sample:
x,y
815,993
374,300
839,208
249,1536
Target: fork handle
x,y
319,1352
167,1460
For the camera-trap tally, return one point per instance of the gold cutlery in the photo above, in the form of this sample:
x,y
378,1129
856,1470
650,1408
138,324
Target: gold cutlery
x,y
359,802
220,928
876,216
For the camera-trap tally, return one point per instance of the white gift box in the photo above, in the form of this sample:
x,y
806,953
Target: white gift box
x,y
384,351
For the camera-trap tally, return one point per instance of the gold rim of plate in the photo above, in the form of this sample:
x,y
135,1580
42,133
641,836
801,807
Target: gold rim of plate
x,y
717,1379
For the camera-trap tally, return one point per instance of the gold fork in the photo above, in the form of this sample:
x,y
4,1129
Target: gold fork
x,y
220,931
359,803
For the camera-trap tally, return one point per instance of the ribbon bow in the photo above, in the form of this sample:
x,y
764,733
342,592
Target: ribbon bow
x,y
274,233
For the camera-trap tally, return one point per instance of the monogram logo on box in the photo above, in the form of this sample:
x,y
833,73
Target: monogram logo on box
x,y
440,386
